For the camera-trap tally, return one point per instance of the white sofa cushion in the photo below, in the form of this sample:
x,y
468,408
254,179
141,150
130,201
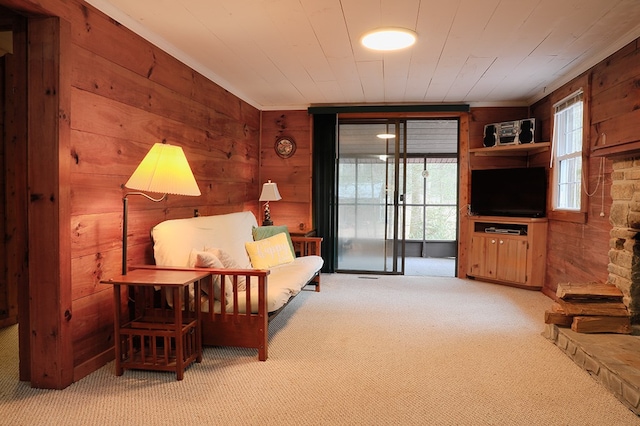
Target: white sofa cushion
x,y
174,238
285,280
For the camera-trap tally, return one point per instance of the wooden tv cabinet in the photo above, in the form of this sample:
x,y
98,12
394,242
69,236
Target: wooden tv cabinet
x,y
508,250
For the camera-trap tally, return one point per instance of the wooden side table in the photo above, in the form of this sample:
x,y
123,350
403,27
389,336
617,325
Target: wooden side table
x,y
298,233
156,336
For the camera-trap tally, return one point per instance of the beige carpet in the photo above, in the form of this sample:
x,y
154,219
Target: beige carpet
x,y
364,351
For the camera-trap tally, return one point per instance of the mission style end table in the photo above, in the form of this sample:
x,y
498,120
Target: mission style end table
x,y
156,336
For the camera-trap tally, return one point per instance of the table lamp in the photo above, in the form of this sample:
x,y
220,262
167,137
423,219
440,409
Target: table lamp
x,y
269,193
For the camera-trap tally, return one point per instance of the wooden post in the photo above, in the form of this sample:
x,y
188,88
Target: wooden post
x,y
50,314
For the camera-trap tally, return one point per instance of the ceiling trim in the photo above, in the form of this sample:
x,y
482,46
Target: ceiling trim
x,y
344,109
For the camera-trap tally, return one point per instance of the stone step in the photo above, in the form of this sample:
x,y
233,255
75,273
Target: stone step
x,y
611,359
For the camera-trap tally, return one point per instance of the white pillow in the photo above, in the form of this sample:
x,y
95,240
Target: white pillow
x,y
229,263
203,259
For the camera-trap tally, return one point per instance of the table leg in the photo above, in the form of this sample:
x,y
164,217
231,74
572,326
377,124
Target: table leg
x,y
198,313
118,342
179,302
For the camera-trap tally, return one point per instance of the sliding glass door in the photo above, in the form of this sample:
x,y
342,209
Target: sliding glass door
x,y
370,196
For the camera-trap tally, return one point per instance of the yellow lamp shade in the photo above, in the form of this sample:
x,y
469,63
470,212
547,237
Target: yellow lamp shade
x,y
164,170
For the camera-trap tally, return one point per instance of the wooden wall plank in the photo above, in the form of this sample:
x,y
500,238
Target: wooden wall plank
x,y
293,175
5,181
105,37
93,332
16,131
14,256
464,194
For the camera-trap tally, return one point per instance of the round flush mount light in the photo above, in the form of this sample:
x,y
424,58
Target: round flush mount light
x,y
389,39
386,135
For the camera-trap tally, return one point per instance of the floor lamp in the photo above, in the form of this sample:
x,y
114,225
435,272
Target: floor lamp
x,y
164,170
269,193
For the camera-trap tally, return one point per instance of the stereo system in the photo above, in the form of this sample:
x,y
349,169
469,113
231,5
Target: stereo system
x,y
510,132
494,230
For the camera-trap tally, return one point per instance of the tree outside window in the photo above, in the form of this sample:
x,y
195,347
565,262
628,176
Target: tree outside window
x,y
431,199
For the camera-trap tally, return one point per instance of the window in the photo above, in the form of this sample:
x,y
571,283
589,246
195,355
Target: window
x,y
431,198
567,153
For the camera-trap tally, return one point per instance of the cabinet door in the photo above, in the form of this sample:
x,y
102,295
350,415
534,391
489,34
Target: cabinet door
x,y
483,256
512,260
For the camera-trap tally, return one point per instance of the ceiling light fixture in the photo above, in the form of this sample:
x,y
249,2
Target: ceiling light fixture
x,y
389,39
386,135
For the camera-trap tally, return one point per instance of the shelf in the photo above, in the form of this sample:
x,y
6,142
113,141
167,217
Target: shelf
x,y
512,150
508,219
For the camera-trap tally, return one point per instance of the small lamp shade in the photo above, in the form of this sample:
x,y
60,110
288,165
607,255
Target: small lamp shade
x,y
270,192
164,170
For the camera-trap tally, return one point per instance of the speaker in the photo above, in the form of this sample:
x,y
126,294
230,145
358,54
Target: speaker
x,y
527,130
490,135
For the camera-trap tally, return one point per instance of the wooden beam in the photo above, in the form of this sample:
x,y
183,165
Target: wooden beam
x,y
49,217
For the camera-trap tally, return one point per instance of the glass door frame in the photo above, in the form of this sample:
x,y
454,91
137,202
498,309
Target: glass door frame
x,y
395,159
398,202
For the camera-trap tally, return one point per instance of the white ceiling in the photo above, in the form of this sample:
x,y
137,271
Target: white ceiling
x,y
291,54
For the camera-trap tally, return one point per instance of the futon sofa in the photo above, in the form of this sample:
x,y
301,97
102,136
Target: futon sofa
x,y
256,271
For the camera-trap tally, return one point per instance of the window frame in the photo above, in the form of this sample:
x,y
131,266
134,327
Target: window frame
x,y
553,213
424,160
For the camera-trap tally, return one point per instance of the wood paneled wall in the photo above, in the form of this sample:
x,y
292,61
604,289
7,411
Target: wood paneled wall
x,y
13,253
615,105
579,251
123,101
293,175
125,95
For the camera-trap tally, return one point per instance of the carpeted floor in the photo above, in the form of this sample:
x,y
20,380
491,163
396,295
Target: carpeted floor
x,y
365,351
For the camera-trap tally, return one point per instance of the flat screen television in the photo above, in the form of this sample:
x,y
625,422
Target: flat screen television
x,y
515,192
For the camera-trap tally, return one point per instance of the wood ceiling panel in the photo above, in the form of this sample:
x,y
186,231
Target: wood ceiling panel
x,y
371,77
569,26
293,53
433,26
289,18
472,70
396,72
502,27
471,17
